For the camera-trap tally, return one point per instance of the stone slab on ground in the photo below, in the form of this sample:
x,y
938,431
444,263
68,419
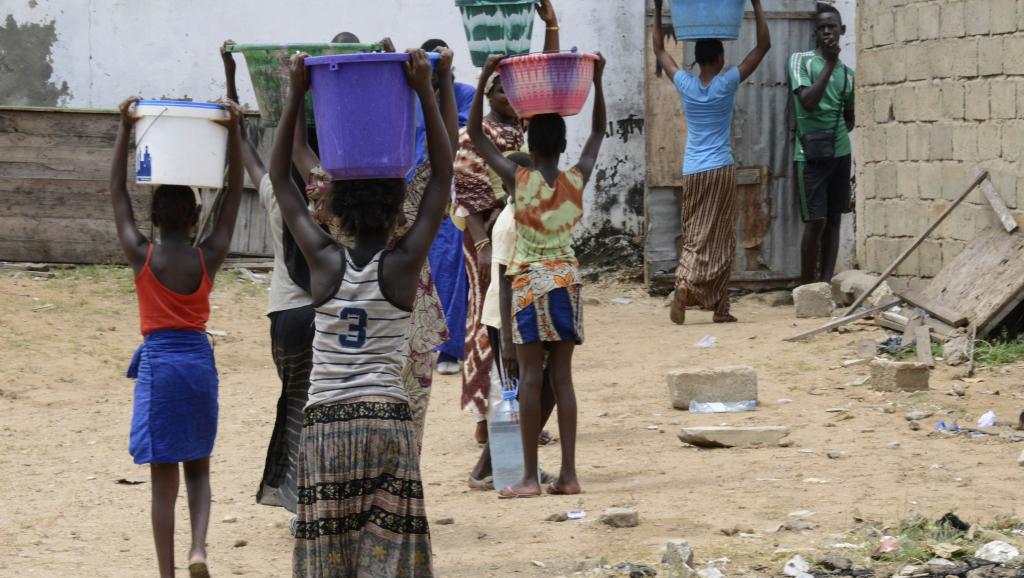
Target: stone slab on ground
x,y
621,517
732,437
848,286
813,300
678,558
722,384
899,375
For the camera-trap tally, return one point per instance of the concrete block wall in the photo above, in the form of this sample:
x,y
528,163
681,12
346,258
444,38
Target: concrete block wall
x,y
940,90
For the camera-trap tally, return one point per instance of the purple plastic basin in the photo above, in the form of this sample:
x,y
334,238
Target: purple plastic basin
x,y
365,115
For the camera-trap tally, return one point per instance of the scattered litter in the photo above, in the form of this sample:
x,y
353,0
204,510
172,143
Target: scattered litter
x,y
797,567
998,551
815,481
576,515
987,420
859,381
538,564
888,545
217,333
127,482
709,572
722,407
801,514
707,342
837,455
784,401
44,307
936,466
943,426
635,570
621,301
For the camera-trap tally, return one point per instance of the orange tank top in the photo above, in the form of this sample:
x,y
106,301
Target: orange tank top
x,y
161,308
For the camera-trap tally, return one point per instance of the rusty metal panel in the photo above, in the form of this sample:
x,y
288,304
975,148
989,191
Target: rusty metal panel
x,y
770,227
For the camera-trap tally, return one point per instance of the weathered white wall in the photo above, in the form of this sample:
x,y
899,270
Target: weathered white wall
x,y
106,50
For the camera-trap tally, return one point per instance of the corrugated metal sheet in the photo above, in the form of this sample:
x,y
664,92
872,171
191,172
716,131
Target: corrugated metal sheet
x,y
762,136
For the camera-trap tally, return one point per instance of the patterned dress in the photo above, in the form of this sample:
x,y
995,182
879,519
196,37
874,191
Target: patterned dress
x,y
476,194
361,509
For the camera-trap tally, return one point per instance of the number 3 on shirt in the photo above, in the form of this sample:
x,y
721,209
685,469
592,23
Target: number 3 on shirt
x,y
356,336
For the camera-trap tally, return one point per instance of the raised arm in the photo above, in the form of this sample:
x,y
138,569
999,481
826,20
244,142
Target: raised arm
x,y
764,43
411,252
446,97
133,242
546,11
321,252
303,156
588,158
250,158
490,152
665,60
215,247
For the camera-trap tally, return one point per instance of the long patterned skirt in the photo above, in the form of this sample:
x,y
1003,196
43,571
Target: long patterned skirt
x,y
707,247
291,341
361,511
479,357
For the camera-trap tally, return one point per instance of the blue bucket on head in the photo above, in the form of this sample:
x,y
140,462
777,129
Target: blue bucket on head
x,y
700,19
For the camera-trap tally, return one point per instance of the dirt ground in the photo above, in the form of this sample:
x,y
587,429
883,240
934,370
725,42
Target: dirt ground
x,y
65,410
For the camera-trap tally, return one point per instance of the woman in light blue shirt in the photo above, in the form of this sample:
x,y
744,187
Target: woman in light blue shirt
x,y
707,246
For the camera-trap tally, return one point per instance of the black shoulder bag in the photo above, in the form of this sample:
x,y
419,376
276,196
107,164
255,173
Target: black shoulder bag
x,y
820,145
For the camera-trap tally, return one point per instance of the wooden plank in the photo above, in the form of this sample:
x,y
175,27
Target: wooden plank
x,y
65,141
996,202
985,281
76,201
887,323
941,312
665,126
910,332
32,122
845,320
982,175
924,346
60,251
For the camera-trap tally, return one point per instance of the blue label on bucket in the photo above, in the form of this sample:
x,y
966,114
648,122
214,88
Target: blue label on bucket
x,y
143,165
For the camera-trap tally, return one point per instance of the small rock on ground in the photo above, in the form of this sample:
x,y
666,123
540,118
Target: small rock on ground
x,y
621,517
558,517
447,521
240,543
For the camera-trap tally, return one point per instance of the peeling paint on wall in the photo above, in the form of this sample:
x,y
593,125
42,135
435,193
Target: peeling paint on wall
x,y
26,65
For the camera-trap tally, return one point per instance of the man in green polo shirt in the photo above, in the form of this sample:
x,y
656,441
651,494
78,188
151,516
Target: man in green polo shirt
x,y
823,98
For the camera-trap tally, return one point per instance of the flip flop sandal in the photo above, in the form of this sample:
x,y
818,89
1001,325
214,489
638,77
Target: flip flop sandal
x,y
509,494
198,570
486,483
679,303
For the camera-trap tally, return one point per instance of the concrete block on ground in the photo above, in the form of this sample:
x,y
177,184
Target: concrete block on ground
x,y
621,517
813,300
848,286
732,437
722,384
678,557
899,375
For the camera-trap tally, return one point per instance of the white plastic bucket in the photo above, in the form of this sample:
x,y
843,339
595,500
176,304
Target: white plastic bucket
x,y
176,144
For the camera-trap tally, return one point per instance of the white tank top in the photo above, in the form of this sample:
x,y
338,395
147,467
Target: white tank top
x,y
361,341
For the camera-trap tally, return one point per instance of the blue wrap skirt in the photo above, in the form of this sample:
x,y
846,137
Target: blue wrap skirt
x,y
174,416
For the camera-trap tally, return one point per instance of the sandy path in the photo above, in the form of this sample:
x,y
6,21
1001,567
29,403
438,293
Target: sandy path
x,y
65,410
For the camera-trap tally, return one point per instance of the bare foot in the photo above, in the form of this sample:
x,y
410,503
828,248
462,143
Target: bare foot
x,y
724,318
480,435
566,488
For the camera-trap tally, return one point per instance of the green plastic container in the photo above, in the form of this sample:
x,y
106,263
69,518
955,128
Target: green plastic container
x,y
268,70
497,27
